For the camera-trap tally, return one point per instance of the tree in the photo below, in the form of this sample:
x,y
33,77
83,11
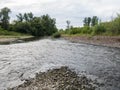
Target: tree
x,y
27,17
30,16
20,17
48,24
68,24
23,27
37,26
94,21
4,17
87,21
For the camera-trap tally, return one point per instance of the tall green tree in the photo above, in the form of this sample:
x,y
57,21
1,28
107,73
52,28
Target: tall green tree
x,y
48,24
30,16
87,21
94,21
4,17
37,26
20,17
26,17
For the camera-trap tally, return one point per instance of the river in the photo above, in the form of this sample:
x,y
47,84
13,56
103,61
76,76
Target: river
x,y
23,60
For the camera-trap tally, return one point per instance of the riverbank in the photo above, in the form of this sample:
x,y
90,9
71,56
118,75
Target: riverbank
x,y
57,79
110,41
13,39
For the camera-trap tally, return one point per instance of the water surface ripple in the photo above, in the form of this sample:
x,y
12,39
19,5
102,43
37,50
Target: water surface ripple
x,y
22,61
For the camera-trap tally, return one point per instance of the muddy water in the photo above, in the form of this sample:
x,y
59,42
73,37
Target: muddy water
x,y
22,61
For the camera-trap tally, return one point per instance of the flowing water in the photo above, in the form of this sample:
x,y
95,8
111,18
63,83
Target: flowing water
x,y
23,60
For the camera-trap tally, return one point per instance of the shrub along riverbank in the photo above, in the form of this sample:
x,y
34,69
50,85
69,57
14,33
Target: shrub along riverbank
x,y
111,28
6,33
94,32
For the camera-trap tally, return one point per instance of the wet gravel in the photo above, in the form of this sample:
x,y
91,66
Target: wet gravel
x,y
57,79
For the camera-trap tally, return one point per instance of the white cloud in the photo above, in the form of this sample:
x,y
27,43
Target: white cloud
x,y
62,10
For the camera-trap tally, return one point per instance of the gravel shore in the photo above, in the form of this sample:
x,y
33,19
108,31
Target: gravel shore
x,y
57,79
110,41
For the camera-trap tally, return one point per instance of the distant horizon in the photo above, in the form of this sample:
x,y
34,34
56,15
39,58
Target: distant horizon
x,y
63,10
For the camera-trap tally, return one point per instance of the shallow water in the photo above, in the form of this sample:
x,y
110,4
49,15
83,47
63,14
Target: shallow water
x,y
23,60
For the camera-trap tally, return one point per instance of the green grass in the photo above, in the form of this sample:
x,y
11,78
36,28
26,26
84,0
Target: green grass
x,y
11,34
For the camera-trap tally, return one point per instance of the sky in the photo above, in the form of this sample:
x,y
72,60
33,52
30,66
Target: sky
x,y
63,10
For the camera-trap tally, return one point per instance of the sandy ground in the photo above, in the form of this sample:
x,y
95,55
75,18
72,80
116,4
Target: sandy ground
x,y
7,39
111,41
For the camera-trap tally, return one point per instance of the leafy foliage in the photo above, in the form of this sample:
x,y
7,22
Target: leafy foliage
x,y
116,25
98,30
27,23
75,31
4,17
94,21
44,25
10,33
56,35
104,28
87,21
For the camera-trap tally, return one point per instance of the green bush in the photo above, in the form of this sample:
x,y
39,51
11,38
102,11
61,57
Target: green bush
x,y
56,35
112,27
9,33
116,25
86,30
98,30
75,31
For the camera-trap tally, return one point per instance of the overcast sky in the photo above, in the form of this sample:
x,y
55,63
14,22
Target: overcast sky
x,y
62,10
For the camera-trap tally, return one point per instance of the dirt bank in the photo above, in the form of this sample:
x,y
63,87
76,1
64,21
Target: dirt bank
x,y
111,41
57,79
13,39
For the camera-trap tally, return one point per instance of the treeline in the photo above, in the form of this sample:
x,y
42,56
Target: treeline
x,y
94,26
27,23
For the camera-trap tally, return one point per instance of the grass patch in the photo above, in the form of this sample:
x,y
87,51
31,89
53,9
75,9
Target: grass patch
x,y
11,34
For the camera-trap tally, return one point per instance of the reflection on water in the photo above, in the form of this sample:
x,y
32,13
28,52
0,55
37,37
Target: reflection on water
x,y
21,61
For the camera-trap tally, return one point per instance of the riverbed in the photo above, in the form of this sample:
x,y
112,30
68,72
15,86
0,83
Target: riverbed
x,y
21,61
